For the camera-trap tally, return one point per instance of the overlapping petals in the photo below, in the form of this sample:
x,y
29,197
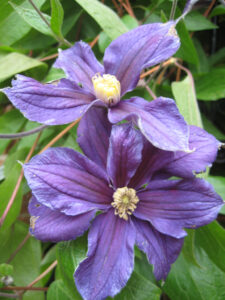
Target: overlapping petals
x,y
69,189
186,165
159,121
124,154
80,64
153,160
93,135
65,180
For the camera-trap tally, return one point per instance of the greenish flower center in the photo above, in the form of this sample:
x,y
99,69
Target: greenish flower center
x,y
125,202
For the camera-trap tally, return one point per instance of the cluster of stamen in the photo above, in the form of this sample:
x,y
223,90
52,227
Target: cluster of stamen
x,y
107,88
125,202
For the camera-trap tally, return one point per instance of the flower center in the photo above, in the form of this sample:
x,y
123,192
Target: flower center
x,y
125,200
107,88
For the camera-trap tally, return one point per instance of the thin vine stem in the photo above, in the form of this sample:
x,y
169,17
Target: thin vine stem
x,y
167,62
151,93
206,13
42,275
173,9
22,134
59,39
53,141
18,248
7,295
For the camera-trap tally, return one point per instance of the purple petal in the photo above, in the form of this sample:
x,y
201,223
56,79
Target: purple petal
x,y
54,226
153,159
187,9
93,135
161,250
171,205
80,64
140,48
110,258
65,180
124,155
48,103
159,121
187,164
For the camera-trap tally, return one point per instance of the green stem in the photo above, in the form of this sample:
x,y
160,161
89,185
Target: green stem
x,y
59,39
173,9
22,134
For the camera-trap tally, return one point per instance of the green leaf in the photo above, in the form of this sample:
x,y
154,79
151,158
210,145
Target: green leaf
x,y
195,21
130,22
187,50
26,262
188,247
105,17
54,74
218,10
57,291
69,255
211,85
6,269
138,287
15,63
12,26
211,128
57,17
6,189
32,18
48,259
203,60
189,282
217,57
35,40
10,122
103,41
184,94
218,183
143,267
212,239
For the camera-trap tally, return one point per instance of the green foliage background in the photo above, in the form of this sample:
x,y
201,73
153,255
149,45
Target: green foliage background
x,y
29,45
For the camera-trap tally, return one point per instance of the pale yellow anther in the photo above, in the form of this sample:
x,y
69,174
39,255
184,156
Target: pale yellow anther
x,y
107,88
125,200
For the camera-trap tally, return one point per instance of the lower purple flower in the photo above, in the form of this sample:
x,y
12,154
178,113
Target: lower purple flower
x,y
127,179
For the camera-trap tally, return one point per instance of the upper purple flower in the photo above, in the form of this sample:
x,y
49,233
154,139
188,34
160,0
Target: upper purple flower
x,y
127,179
89,83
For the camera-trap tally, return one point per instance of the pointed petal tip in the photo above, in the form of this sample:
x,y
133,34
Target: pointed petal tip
x,y
159,121
20,162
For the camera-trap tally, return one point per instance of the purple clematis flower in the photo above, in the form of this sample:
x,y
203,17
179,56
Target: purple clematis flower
x,y
90,84
127,179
